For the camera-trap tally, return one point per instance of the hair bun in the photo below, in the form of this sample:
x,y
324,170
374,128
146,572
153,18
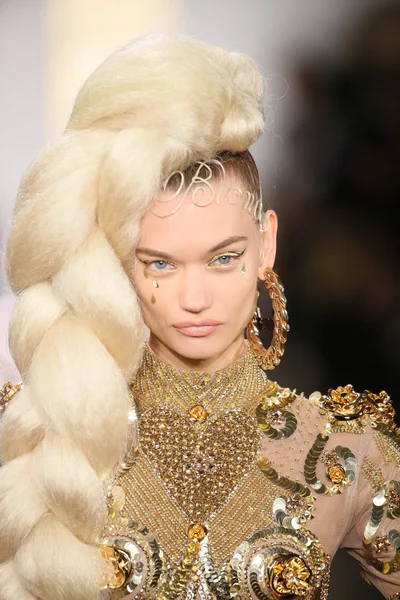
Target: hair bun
x,y
201,95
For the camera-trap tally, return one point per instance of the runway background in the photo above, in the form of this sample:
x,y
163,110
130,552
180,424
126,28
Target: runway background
x,y
328,160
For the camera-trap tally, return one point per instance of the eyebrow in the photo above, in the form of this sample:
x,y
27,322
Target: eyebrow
x,y
231,240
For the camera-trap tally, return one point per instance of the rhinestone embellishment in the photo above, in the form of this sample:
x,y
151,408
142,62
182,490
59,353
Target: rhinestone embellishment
x,y
199,469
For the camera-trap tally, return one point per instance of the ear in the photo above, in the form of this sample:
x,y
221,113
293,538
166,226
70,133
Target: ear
x,y
268,242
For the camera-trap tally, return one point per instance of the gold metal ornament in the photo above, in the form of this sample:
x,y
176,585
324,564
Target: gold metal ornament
x,y
198,413
269,358
289,576
196,531
346,404
6,393
121,563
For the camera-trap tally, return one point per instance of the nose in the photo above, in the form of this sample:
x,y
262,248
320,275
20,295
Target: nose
x,y
195,295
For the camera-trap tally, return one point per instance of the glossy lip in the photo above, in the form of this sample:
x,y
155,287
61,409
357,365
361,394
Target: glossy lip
x,y
197,329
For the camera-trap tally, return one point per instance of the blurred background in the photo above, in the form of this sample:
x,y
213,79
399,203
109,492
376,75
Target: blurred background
x,y
328,161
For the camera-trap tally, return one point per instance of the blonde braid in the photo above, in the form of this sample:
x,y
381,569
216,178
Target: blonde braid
x,y
77,331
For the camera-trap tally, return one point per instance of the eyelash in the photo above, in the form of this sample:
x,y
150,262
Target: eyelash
x,y
234,255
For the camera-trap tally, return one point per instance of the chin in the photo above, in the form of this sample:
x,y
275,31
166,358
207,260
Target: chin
x,y
199,348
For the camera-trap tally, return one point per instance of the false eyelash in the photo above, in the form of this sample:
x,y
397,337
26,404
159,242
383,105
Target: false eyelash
x,y
235,255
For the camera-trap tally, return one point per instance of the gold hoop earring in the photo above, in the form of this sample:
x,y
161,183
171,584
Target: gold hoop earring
x,y
269,358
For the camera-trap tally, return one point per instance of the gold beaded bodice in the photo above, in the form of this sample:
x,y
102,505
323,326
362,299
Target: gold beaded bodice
x,y
199,440
220,493
231,487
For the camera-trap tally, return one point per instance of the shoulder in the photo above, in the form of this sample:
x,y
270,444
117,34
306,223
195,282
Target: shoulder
x,y
345,404
341,426
368,414
342,407
350,411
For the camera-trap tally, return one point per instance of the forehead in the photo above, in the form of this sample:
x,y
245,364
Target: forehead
x,y
202,216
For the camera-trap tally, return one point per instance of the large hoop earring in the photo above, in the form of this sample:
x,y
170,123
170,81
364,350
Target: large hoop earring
x,y
269,358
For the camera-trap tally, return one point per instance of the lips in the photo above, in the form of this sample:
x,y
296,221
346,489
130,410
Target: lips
x,y
197,329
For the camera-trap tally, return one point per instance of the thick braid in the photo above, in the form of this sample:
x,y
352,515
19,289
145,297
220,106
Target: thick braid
x,y
42,492
77,332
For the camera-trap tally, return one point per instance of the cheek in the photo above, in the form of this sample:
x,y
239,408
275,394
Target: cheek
x,y
144,291
233,296
155,296
236,295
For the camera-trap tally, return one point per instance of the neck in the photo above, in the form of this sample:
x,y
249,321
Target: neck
x,y
202,365
160,383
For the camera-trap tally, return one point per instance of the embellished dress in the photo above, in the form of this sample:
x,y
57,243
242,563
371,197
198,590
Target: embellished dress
x,y
234,487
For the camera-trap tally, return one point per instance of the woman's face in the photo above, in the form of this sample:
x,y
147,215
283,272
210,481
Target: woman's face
x,y
196,275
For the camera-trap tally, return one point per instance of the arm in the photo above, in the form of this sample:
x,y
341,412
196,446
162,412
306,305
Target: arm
x,y
374,539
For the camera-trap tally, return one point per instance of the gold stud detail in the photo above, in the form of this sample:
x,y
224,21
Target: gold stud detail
x,y
121,563
289,575
196,531
336,473
198,413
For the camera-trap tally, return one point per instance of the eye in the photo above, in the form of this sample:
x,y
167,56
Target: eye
x,y
224,260
159,265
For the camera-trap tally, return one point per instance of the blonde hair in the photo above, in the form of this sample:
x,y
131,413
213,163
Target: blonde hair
x,y
76,335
